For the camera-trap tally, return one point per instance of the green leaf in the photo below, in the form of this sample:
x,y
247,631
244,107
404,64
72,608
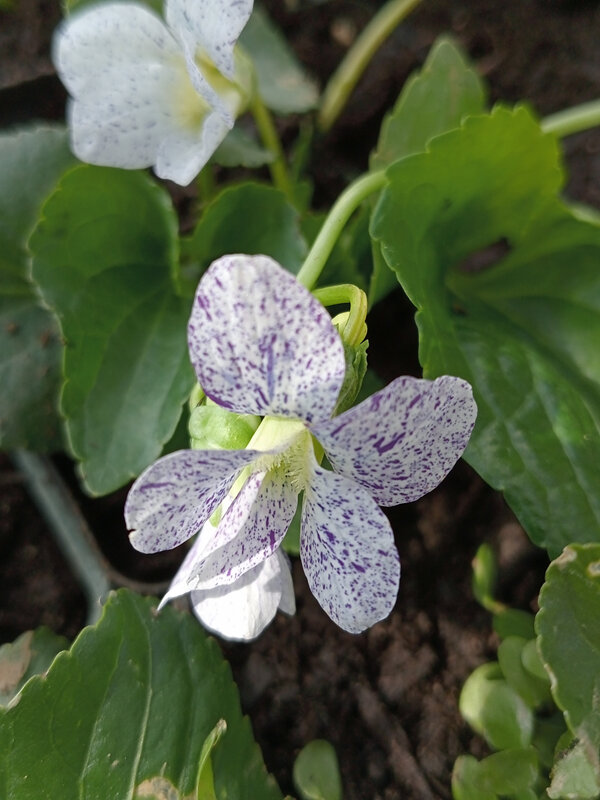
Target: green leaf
x,y
317,772
282,82
495,710
568,627
241,149
573,776
505,280
433,101
30,654
246,218
103,255
31,161
534,691
513,622
125,714
547,733
508,774
532,661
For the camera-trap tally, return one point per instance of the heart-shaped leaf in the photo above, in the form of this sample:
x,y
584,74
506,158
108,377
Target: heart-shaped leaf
x,y
104,254
506,281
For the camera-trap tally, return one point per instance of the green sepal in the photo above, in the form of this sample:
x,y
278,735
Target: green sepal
x,y
214,428
356,369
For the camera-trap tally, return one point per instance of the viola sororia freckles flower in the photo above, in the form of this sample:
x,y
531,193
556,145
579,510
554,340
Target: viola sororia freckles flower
x,y
145,93
262,344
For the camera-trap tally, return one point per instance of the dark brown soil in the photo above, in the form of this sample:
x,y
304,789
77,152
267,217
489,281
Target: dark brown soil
x,y
386,699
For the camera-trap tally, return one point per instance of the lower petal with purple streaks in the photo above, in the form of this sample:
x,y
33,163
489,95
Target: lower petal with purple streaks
x,y
348,552
242,610
173,498
260,515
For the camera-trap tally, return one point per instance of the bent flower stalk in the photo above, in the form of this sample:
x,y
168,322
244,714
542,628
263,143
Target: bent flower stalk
x,y
261,344
145,93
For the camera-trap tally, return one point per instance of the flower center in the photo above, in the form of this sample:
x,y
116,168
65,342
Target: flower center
x,y
235,94
190,107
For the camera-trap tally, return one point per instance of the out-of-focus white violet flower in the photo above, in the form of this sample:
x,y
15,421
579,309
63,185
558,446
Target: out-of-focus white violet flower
x,y
261,344
145,93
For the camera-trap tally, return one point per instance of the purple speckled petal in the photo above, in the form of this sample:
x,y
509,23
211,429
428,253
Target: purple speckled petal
x,y
402,441
130,87
209,26
252,528
261,344
211,538
173,498
242,610
348,552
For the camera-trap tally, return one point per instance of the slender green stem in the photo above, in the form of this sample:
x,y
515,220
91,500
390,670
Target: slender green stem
x,y
354,330
270,137
358,56
206,185
573,120
339,215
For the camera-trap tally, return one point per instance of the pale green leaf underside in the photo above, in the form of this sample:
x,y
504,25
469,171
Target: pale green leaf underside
x,y
127,708
568,627
31,161
241,149
524,330
104,254
282,82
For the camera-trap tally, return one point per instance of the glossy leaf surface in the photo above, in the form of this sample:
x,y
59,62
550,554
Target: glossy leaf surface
x,y
506,281
568,627
103,255
126,713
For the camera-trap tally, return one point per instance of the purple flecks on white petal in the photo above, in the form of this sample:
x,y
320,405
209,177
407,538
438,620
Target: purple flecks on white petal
x,y
348,552
129,85
252,528
107,40
242,610
212,537
402,441
262,344
212,26
173,498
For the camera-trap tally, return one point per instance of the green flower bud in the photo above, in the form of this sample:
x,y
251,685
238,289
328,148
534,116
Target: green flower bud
x,y
214,428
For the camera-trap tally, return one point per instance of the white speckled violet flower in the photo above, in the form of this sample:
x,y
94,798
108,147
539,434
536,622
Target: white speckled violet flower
x,y
261,344
145,93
